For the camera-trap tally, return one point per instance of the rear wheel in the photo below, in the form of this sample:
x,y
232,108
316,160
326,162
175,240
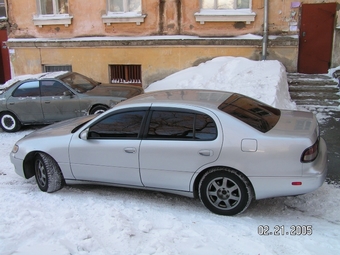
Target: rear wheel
x,y
47,173
98,109
9,122
225,191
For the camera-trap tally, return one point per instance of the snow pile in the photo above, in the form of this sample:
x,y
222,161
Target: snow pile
x,y
265,81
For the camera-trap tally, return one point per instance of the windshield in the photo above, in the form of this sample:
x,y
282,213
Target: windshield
x,y
79,82
252,112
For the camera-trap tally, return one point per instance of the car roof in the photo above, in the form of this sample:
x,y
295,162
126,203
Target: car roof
x,y
37,76
196,97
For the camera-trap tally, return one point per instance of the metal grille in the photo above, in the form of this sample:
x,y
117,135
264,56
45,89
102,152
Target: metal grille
x,y
48,68
129,74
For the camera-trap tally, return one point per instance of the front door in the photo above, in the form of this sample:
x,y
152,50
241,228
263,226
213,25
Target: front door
x,y
111,151
316,37
55,104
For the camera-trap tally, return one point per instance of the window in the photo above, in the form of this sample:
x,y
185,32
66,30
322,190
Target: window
x,y
254,113
48,68
3,13
123,11
124,6
129,74
181,125
53,7
125,125
52,88
225,4
79,82
52,12
225,10
28,89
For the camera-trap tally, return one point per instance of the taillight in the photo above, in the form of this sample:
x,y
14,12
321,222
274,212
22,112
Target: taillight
x,y
310,153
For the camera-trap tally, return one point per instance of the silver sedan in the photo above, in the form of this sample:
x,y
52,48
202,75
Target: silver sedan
x,y
225,148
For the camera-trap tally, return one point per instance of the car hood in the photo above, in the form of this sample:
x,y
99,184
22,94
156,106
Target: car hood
x,y
296,123
123,91
61,128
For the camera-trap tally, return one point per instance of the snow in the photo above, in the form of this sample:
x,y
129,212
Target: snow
x,y
265,81
109,220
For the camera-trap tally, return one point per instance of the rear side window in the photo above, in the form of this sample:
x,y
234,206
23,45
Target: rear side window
x,y
181,126
28,89
252,112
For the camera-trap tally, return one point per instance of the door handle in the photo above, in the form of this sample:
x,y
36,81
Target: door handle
x,y
130,150
206,153
47,102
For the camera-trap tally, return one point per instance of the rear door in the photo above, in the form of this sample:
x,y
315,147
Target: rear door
x,y
177,143
25,103
316,37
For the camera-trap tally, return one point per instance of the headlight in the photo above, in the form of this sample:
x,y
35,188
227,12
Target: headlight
x,y
15,149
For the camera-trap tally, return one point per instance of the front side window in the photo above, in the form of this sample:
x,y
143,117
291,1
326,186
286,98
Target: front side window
x,y
125,125
124,6
53,7
28,89
181,126
52,88
225,4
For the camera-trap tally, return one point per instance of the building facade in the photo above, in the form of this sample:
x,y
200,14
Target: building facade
x,y
142,41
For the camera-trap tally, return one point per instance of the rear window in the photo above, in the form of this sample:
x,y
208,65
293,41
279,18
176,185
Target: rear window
x,y
252,112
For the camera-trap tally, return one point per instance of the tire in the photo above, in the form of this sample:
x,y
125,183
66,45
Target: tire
x,y
98,109
47,173
225,191
9,122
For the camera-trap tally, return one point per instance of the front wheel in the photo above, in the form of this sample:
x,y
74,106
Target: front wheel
x,y
225,191
9,122
98,109
47,173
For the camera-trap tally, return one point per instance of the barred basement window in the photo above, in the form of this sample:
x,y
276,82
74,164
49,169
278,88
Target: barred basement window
x,y
48,68
129,74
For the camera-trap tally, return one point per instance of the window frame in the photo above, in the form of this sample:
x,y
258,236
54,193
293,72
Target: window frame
x,y
122,17
51,19
225,15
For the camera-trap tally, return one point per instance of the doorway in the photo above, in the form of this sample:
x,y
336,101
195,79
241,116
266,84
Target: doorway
x,y
316,38
5,70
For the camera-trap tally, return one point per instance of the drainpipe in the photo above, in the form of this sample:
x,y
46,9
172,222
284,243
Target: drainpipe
x,y
265,30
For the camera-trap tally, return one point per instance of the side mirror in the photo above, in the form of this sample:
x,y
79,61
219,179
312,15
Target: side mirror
x,y
68,93
84,134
